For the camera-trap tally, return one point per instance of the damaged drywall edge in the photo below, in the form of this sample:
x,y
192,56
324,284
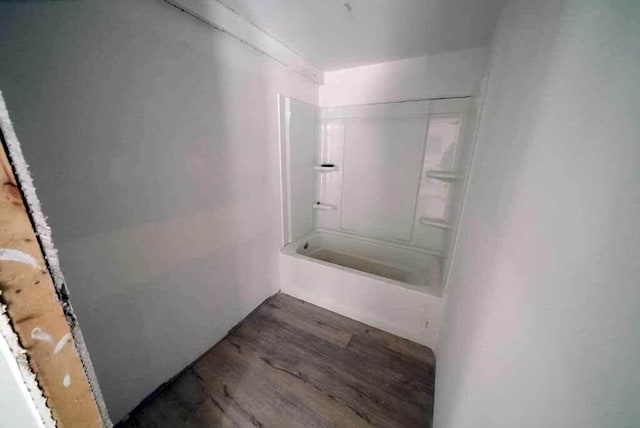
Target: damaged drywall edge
x,y
43,232
28,376
81,347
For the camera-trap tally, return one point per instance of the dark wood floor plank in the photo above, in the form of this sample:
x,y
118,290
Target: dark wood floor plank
x,y
300,392
411,349
369,379
241,388
376,409
293,364
324,331
400,375
374,362
308,311
321,316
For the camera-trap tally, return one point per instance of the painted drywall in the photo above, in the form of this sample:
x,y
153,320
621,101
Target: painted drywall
x,y
334,37
228,20
153,142
451,74
541,325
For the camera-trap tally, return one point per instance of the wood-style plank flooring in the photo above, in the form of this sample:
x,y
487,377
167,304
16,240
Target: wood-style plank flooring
x,y
293,364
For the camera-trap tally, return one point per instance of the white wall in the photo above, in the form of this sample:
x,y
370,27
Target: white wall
x,y
298,135
451,74
542,322
153,143
16,405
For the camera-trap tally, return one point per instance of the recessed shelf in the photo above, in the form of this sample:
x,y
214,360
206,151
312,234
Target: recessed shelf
x,y
443,175
427,221
322,168
325,207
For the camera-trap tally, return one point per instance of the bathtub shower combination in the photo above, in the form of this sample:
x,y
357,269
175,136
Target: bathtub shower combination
x,y
370,202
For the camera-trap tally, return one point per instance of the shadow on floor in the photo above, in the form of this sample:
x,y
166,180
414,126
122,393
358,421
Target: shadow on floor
x,y
293,364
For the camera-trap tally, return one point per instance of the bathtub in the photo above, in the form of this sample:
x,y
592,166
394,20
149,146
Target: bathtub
x,y
393,287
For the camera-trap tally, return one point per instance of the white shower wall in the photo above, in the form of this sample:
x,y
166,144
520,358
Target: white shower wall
x,y
297,142
384,155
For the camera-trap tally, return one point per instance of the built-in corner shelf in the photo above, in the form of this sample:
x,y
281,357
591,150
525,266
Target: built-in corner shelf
x,y
325,207
427,221
325,168
448,176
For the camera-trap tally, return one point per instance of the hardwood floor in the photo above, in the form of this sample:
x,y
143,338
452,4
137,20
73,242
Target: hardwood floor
x,y
293,364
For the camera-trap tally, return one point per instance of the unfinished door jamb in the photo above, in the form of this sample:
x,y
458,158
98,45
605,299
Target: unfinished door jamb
x,y
36,317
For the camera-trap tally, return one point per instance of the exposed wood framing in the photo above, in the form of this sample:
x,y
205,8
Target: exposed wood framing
x,y
38,311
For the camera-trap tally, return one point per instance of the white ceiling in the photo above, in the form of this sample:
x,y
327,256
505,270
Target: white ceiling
x,y
331,36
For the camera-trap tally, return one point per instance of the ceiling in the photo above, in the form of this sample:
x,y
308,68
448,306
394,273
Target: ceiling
x,y
333,36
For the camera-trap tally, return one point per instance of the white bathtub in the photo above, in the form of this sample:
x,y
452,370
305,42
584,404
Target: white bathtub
x,y
392,287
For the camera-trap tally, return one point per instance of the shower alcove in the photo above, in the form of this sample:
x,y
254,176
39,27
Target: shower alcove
x,y
370,202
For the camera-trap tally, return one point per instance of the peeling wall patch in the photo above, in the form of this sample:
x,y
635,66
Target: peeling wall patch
x,y
41,335
63,341
12,255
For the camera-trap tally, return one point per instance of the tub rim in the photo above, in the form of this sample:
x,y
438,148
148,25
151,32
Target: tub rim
x,y
291,250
